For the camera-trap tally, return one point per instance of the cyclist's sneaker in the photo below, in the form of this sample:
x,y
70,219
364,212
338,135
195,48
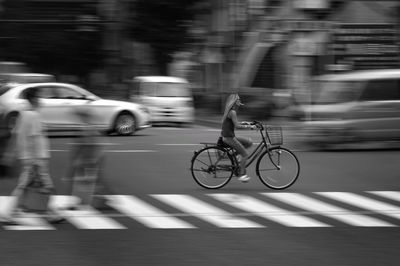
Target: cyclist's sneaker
x,y
244,178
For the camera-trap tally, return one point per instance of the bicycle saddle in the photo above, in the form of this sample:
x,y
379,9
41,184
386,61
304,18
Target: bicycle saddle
x,y
221,143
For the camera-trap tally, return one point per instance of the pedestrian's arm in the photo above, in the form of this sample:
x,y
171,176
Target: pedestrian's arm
x,y
21,132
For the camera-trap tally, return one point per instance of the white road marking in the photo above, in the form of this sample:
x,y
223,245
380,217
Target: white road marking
x,y
26,221
267,211
29,221
84,217
145,213
115,151
179,144
393,195
364,203
206,211
325,209
98,143
130,151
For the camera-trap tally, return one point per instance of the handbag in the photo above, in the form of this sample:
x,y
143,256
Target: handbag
x,y
32,198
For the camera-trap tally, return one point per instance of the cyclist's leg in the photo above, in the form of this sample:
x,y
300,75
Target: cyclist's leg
x,y
239,148
246,142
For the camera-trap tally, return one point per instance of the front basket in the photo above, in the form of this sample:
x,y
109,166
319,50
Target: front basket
x,y
274,135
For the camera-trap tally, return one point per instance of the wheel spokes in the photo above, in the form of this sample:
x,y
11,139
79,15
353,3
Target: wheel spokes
x,y
211,167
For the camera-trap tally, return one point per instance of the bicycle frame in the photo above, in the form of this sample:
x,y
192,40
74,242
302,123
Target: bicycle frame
x,y
258,150
264,144
255,153
223,162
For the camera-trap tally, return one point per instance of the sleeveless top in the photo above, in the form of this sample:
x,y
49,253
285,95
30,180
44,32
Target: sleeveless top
x,y
228,128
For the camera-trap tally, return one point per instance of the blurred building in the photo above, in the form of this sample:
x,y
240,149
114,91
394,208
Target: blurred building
x,y
31,29
265,48
274,47
83,31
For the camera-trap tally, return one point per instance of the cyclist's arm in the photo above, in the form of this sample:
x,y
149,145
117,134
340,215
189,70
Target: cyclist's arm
x,y
233,116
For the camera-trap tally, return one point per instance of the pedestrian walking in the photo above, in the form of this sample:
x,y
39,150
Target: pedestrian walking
x,y
4,144
86,159
7,146
32,148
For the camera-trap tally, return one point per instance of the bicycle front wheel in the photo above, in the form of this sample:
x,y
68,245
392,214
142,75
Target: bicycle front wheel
x,y
212,167
278,168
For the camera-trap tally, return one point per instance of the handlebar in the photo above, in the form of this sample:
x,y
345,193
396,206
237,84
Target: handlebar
x,y
258,124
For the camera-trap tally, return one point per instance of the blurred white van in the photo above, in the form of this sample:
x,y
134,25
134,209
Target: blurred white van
x,y
169,99
353,106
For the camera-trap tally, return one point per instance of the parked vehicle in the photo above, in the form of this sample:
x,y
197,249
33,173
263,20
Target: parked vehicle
x,y
169,99
59,102
352,107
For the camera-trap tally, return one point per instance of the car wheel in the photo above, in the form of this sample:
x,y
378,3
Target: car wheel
x,y
125,124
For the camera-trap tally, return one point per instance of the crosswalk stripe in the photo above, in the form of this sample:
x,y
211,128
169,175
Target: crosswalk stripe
x,y
84,216
364,202
5,204
327,210
249,207
268,211
26,221
30,221
145,213
393,195
206,211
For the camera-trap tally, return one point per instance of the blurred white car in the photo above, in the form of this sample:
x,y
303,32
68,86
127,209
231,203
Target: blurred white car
x,y
59,102
352,107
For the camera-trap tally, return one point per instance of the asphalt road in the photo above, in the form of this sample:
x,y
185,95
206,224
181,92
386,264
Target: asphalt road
x,y
333,215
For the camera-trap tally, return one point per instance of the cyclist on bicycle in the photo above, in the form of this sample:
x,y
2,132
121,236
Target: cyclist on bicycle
x,y
239,144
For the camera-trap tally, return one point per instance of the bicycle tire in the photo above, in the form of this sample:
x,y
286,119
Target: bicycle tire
x,y
212,167
278,168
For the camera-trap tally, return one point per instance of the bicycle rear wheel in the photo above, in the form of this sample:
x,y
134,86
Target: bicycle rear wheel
x,y
278,169
212,167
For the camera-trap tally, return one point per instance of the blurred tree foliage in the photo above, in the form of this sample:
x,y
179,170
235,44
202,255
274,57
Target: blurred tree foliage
x,y
51,47
163,24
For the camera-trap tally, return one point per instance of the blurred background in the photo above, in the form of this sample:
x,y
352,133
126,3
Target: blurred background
x,y
267,50
327,71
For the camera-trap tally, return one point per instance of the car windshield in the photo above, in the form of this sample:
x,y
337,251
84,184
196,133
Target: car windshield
x,y
336,92
165,89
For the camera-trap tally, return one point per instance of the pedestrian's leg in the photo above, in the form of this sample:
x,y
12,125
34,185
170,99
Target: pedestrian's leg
x,y
23,181
44,175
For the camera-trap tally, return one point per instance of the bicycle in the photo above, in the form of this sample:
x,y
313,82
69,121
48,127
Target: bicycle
x,y
213,166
